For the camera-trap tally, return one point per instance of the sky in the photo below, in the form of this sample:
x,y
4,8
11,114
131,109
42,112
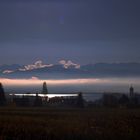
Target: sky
x,y
84,31
95,85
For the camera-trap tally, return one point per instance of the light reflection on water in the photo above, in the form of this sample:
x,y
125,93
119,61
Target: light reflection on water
x,y
48,95
86,96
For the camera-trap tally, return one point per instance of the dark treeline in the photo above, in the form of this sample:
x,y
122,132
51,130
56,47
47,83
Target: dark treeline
x,y
108,100
41,101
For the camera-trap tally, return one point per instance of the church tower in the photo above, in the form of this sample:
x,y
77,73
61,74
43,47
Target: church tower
x,y
131,92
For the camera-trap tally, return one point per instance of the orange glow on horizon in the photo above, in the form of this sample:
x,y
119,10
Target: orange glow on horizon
x,y
35,81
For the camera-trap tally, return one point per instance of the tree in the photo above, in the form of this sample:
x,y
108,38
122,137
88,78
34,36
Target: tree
x,y
2,95
110,100
124,100
80,100
44,90
38,100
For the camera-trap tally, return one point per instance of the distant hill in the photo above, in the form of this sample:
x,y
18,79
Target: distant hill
x,y
9,67
113,69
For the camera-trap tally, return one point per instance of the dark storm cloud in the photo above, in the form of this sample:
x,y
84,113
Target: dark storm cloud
x,y
86,31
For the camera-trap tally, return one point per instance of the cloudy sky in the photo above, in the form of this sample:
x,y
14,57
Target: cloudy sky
x,y
84,31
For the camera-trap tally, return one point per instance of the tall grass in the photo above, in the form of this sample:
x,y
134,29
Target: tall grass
x,y
68,124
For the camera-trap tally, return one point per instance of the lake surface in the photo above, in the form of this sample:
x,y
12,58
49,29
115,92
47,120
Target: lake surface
x,y
86,86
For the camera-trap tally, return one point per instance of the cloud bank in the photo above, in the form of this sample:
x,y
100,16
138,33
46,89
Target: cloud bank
x,y
37,65
68,64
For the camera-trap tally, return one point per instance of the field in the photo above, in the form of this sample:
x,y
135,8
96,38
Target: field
x,y
69,124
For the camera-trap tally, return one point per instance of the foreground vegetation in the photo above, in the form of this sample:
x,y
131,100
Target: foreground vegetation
x,y
69,124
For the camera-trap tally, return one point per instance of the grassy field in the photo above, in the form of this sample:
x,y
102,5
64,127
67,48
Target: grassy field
x,y
69,124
